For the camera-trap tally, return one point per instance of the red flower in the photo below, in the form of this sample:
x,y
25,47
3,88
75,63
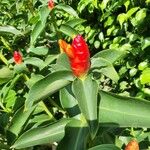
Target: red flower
x,y
132,145
51,4
17,57
78,54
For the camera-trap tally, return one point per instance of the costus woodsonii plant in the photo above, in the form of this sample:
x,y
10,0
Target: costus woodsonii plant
x,y
74,96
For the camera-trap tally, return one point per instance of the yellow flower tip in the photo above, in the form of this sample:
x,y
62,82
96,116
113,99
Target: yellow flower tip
x,y
73,36
83,77
60,43
65,47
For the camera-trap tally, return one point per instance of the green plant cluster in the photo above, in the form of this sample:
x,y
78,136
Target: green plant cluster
x,y
43,106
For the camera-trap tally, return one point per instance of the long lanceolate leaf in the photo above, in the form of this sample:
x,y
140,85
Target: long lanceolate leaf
x,y
76,135
67,9
123,111
105,67
10,29
69,102
110,55
39,90
42,135
85,92
47,86
17,123
40,25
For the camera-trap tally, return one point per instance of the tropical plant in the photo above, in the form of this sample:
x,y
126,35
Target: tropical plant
x,y
74,74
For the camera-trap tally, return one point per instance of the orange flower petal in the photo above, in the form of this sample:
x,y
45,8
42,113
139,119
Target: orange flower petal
x,y
65,47
132,145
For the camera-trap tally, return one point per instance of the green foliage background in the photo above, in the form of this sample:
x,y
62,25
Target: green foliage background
x,y
36,96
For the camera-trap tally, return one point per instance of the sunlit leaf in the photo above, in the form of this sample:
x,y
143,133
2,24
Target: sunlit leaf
x,y
41,135
10,29
78,133
47,86
121,111
103,66
145,76
39,50
67,9
5,74
68,30
87,100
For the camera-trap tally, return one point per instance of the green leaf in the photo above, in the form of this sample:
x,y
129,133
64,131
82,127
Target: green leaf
x,y
110,30
19,68
68,30
17,123
122,18
5,75
74,22
99,62
82,4
111,55
147,2
40,118
68,101
109,21
105,147
7,87
35,62
125,47
38,28
103,66
132,11
10,99
34,78
44,12
76,135
40,25
115,110
145,43
104,4
41,135
47,86
49,59
97,44
10,29
126,4
5,43
42,50
67,9
110,72
145,76
87,100
142,65
62,63
140,15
